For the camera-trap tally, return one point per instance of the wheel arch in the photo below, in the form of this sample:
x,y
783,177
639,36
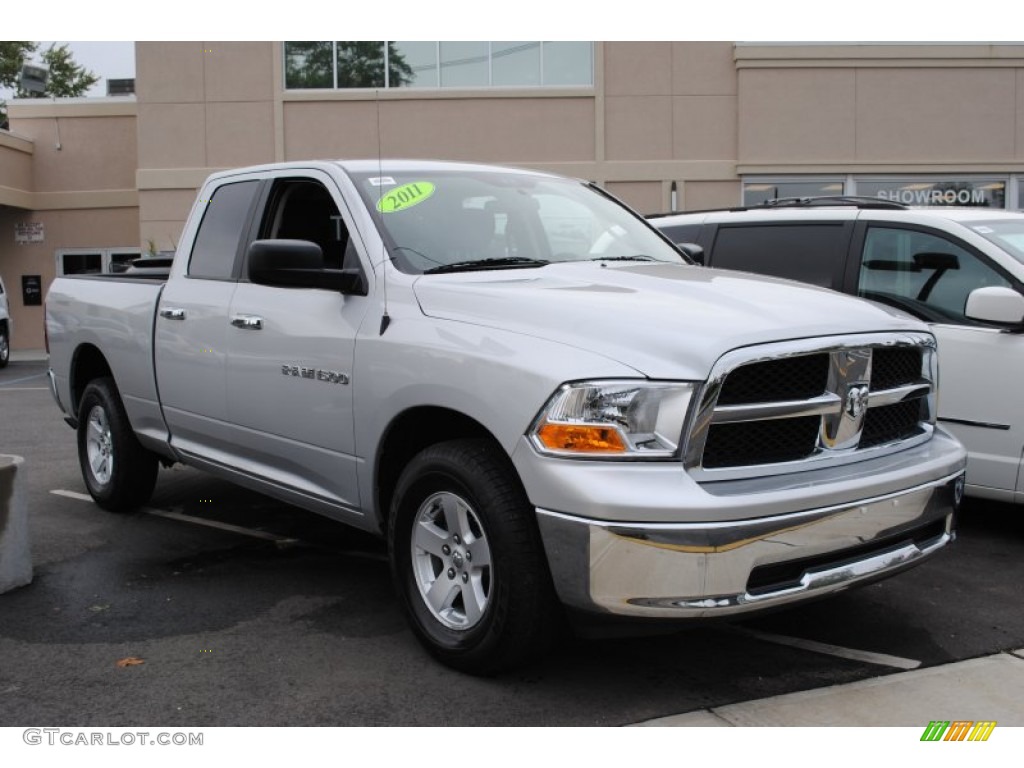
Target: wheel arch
x,y
87,364
410,432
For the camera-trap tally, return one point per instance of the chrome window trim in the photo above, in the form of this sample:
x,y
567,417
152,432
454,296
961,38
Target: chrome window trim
x,y
706,412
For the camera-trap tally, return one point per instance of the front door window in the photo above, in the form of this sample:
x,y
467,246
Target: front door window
x,y
922,273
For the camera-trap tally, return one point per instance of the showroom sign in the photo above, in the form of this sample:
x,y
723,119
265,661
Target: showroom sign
x,y
980,194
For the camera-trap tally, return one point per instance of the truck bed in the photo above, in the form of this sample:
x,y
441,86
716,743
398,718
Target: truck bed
x,y
115,315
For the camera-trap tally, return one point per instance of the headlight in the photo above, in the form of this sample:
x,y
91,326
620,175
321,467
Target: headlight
x,y
613,419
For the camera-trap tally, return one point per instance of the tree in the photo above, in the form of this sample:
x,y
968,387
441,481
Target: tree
x,y
12,59
66,77
360,65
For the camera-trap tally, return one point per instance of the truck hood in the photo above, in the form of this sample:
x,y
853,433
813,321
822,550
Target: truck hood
x,y
664,320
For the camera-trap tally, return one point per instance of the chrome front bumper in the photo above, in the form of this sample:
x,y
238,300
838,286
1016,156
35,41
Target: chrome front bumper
x,y
693,570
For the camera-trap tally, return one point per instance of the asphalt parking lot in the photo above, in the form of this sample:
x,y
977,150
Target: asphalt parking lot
x,y
245,611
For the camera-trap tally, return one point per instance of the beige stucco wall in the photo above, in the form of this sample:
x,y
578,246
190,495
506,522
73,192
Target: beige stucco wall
x,y
669,115
15,170
470,128
203,106
81,153
880,109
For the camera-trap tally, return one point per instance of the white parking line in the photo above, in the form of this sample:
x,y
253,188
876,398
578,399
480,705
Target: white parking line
x,y
882,659
219,525
73,495
194,520
179,516
23,389
23,378
190,519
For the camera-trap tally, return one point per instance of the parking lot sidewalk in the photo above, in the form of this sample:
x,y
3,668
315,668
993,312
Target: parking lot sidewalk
x,y
985,688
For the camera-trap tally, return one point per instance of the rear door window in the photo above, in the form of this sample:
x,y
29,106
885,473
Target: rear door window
x,y
218,243
811,253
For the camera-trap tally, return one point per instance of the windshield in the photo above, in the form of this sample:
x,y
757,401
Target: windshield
x,y
1008,234
445,221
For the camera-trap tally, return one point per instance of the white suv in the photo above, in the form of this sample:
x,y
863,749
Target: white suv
x,y
5,327
960,269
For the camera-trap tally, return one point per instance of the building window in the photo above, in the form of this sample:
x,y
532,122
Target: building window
x,y
969,191
758,192
434,64
94,261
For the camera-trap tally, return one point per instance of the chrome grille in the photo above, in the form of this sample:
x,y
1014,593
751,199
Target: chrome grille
x,y
798,405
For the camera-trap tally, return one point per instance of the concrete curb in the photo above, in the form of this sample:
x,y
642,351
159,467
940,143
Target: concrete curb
x,y
28,356
15,552
985,688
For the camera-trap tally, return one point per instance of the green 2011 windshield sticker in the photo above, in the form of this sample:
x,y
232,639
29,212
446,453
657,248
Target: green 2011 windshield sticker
x,y
405,196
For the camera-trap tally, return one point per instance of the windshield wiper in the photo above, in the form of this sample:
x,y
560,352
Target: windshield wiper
x,y
636,257
509,262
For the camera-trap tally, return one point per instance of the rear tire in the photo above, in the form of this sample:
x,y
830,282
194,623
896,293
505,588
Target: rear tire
x,y
5,347
119,473
467,559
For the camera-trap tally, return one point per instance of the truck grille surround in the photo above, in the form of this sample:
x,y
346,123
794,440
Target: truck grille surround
x,y
808,404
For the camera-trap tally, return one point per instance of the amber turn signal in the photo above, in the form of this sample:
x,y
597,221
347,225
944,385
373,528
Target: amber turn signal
x,y
581,438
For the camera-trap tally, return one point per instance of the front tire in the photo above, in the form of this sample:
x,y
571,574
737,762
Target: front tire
x,y
467,559
119,473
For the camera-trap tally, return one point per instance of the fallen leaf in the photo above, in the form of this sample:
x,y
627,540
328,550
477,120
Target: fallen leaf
x,y
99,607
130,661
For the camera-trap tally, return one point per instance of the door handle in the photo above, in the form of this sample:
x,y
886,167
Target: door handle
x,y
172,313
247,322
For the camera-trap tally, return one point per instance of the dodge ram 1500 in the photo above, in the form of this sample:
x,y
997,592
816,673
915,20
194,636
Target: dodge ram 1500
x,y
523,387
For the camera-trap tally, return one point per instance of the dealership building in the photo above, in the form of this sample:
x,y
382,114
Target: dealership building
x,y
88,183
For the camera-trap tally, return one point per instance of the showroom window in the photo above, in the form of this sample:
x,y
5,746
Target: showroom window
x,y
434,64
969,191
758,192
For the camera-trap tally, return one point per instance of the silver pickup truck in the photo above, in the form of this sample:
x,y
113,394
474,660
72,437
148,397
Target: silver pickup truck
x,y
527,390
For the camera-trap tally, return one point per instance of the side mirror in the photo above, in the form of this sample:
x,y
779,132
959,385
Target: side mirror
x,y
298,264
693,251
995,304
